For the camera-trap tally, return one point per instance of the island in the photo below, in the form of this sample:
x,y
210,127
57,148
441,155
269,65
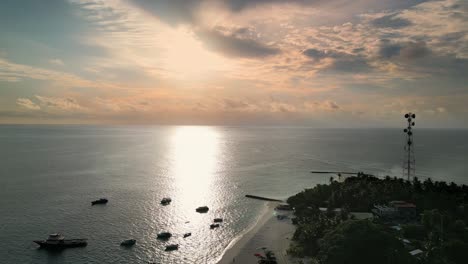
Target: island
x,y
366,219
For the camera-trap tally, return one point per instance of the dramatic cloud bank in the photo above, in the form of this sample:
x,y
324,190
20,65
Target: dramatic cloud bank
x,y
298,62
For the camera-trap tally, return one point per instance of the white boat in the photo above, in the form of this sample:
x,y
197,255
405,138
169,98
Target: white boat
x,y
58,241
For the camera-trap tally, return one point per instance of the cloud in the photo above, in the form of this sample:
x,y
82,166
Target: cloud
x,y
27,103
414,50
58,62
282,107
177,12
388,49
13,72
326,105
231,104
351,64
171,11
390,21
60,104
408,50
441,109
341,62
121,105
239,5
353,60
233,45
320,54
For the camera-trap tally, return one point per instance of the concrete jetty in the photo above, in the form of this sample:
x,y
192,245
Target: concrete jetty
x,y
262,198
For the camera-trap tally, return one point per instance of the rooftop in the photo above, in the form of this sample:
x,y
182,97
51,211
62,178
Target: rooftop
x,y
415,252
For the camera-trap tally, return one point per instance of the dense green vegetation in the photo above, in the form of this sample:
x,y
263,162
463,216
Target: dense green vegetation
x,y
330,237
361,241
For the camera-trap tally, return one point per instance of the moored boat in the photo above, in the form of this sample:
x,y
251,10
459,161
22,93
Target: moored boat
x,y
187,235
164,235
100,201
58,241
172,247
166,201
213,226
284,207
128,242
202,209
218,220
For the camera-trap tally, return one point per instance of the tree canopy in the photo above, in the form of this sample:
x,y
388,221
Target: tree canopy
x,y
361,241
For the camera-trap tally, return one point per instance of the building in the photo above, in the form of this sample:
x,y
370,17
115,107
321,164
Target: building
x,y
396,211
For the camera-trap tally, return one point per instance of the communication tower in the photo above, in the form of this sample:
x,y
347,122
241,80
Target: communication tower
x,y
409,161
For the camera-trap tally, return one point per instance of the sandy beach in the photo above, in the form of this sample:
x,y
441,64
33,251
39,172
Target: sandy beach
x,y
268,232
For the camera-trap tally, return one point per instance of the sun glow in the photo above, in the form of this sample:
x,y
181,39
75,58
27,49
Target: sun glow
x,y
195,151
185,56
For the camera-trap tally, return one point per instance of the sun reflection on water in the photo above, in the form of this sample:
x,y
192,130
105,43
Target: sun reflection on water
x,y
195,153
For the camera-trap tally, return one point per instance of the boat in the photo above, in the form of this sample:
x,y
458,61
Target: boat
x,y
100,201
284,207
202,209
218,220
213,226
128,242
172,247
187,235
58,241
166,201
164,235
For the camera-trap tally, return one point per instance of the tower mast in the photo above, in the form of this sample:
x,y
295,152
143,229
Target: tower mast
x,y
409,163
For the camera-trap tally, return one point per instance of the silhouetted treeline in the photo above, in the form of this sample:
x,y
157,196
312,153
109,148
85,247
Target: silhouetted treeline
x,y
440,232
360,193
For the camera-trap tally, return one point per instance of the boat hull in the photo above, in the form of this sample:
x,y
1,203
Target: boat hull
x,y
98,202
68,243
128,243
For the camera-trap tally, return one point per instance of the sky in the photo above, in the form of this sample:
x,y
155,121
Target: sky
x,y
319,63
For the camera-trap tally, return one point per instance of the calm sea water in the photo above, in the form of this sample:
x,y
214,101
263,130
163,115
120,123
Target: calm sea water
x,y
50,174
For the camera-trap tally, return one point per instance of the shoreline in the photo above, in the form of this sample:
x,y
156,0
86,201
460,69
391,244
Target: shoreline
x,y
266,232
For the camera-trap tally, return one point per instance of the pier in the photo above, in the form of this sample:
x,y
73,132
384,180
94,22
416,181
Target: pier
x,y
262,198
335,172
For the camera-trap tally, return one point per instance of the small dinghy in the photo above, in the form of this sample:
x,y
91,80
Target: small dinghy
x,y
164,235
172,247
213,226
218,220
100,201
202,209
166,201
187,235
128,242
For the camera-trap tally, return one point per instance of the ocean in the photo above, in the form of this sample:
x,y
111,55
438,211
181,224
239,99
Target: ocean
x,y
50,174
